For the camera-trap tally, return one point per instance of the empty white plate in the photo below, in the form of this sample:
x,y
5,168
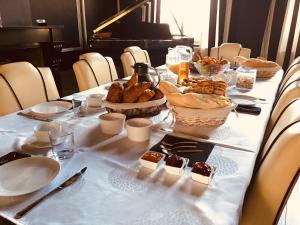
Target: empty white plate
x,y
243,99
52,107
27,175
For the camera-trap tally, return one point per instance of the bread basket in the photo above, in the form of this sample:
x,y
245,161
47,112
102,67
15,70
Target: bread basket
x,y
133,110
265,72
201,117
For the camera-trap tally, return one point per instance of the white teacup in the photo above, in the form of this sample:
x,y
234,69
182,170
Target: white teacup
x,y
138,129
112,123
94,100
41,131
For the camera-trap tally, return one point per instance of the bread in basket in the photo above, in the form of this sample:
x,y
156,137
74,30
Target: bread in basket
x,y
196,109
265,68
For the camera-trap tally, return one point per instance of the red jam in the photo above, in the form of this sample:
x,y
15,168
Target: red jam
x,y
152,156
202,168
174,160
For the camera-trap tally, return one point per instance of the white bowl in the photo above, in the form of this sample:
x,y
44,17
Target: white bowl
x,y
41,131
176,170
149,164
203,179
112,123
138,129
94,100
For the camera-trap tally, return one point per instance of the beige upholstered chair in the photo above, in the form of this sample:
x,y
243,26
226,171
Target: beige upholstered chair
x,y
292,73
93,69
22,86
229,50
290,92
131,56
273,180
288,115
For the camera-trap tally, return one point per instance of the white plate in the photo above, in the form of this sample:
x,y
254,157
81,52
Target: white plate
x,y
243,99
52,107
33,142
27,175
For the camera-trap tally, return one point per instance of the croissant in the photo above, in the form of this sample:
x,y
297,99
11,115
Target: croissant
x,y
115,93
133,80
158,94
132,93
146,95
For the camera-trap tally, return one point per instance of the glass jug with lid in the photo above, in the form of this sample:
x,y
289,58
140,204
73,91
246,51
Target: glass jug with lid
x,y
144,74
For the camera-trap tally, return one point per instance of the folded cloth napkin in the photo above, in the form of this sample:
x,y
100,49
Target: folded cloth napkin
x,y
32,115
12,156
200,156
253,110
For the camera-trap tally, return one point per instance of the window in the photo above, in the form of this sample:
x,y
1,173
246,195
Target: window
x,y
191,16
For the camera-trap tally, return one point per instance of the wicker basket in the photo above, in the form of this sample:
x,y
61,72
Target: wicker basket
x,y
265,72
134,110
201,117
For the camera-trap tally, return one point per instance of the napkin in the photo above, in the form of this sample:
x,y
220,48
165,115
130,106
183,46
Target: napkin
x,y
193,157
253,110
12,156
32,115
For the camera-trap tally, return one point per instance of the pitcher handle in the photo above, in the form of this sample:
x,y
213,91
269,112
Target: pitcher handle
x,y
158,75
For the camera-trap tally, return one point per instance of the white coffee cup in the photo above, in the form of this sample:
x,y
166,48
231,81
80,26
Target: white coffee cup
x,y
112,123
94,100
41,131
138,129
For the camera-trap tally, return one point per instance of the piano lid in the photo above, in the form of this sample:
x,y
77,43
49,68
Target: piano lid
x,y
119,15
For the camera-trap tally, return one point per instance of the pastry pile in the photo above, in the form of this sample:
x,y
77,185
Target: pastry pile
x,y
132,91
206,86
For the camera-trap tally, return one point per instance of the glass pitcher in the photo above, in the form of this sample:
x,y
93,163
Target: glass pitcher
x,y
145,74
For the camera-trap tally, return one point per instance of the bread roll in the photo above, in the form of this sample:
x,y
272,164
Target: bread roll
x,y
198,101
258,63
167,87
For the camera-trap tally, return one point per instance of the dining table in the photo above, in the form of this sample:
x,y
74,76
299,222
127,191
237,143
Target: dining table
x,y
117,190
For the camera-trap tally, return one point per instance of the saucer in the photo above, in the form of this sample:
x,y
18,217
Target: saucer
x,y
33,142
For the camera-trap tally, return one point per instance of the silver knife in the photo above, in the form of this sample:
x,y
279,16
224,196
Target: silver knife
x,y
65,184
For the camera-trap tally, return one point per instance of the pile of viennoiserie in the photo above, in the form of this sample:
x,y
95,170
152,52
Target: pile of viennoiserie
x,y
199,93
133,92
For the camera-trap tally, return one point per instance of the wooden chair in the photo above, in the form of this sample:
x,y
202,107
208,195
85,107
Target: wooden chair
x,y
229,50
274,179
131,56
22,85
93,70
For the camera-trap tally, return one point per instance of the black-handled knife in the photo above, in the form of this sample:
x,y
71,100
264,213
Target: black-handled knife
x,y
65,184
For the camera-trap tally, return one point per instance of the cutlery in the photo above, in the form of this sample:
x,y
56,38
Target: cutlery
x,y
181,150
179,143
206,140
65,184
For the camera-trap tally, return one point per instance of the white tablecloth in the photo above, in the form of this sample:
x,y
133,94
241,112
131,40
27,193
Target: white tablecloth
x,y
116,190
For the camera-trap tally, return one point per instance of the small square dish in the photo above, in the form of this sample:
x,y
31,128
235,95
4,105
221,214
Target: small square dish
x,y
175,164
202,172
151,159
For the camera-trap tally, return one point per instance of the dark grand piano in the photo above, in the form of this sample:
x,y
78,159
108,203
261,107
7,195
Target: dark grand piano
x,y
156,38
